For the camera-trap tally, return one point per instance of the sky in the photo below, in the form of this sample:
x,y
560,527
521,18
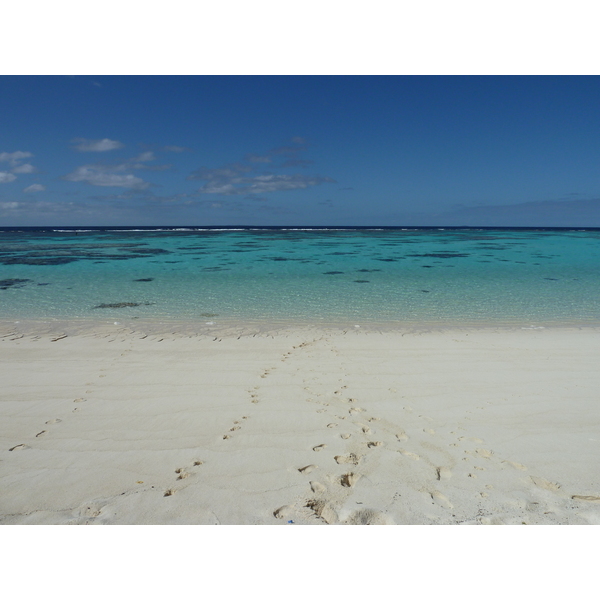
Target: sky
x,y
300,150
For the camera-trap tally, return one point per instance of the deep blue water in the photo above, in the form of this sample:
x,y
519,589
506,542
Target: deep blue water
x,y
309,274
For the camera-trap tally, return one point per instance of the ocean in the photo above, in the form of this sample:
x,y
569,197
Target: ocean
x,y
347,276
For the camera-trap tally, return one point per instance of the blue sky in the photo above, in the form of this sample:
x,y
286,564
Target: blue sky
x,y
300,150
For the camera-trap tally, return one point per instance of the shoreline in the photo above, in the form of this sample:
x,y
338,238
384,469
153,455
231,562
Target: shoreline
x,y
312,425
224,328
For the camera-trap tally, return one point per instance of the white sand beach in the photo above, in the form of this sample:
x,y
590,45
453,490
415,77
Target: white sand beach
x,y
299,425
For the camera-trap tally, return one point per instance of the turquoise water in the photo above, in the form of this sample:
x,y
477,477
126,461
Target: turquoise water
x,y
350,275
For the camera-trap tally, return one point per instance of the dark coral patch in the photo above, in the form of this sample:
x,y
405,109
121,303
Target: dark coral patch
x,y
441,255
16,283
124,304
25,260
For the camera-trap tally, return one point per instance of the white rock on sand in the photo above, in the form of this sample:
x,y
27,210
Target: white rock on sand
x,y
448,426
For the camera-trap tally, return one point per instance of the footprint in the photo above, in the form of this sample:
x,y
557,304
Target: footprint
x,y
484,453
429,431
197,463
374,444
308,469
41,433
366,429
441,500
410,454
443,473
183,474
545,484
319,447
349,479
515,465
79,400
368,516
345,436
347,459
332,425
19,447
586,498
235,428
169,492
323,509
53,421
317,488
402,437
283,512
226,437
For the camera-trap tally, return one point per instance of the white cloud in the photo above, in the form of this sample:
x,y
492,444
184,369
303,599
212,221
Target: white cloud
x,y
176,149
221,174
36,187
144,157
14,157
234,179
107,177
26,168
138,163
96,145
261,184
255,158
6,177
9,205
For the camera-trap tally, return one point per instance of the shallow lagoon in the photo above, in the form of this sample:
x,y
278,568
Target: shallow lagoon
x,y
395,275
